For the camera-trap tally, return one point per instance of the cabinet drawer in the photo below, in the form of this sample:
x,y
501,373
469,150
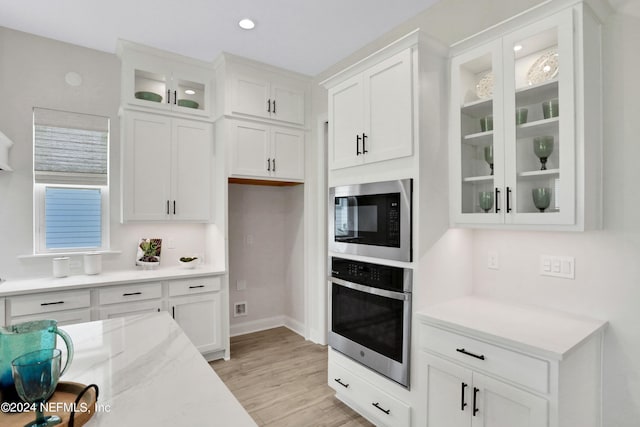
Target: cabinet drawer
x,y
517,367
47,302
377,405
132,292
194,286
65,317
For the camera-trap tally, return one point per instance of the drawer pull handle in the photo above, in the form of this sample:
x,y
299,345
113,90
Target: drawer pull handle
x,y
463,351
462,403
128,294
51,303
475,407
341,383
196,286
386,411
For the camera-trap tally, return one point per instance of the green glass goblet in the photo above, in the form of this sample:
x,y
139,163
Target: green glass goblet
x,y
543,147
486,200
541,198
488,156
36,376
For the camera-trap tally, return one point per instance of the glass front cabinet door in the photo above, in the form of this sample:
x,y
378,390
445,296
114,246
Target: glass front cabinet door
x,y
515,154
161,84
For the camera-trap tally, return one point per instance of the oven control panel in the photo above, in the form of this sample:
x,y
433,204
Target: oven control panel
x,y
369,274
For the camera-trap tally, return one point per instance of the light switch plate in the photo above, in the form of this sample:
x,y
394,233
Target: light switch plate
x,y
493,261
558,266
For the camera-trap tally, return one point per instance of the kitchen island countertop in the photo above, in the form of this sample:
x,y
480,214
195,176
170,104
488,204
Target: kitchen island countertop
x,y
149,373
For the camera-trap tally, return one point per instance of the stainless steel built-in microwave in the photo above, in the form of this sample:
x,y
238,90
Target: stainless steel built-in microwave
x,y
372,219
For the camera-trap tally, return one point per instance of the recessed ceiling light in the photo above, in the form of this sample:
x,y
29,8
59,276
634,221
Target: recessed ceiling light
x,y
517,47
190,92
246,24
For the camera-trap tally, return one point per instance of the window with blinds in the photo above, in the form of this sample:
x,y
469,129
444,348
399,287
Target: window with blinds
x,y
71,164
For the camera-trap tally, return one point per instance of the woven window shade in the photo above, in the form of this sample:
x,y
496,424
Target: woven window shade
x,y
70,148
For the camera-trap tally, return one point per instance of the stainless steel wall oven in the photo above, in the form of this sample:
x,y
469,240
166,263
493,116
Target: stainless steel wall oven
x,y
371,315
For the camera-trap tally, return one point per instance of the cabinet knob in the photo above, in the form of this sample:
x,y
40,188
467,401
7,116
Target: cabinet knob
x,y
168,96
496,199
274,106
167,207
508,200
175,97
268,106
274,165
174,207
364,146
358,145
269,165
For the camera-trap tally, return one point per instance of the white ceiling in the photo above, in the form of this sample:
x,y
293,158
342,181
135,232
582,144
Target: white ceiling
x,y
306,36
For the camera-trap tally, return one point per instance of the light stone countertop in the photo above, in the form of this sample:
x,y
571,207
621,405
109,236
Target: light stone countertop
x,y
149,373
545,332
49,284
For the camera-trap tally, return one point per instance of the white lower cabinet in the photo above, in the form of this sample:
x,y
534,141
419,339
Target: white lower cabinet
x,y
64,317
460,397
130,309
199,316
196,304
485,363
64,307
366,398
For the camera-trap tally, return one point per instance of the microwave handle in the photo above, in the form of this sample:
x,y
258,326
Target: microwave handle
x,y
402,296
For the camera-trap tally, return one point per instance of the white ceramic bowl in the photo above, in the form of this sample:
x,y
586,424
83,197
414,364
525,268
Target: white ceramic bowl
x,y
190,264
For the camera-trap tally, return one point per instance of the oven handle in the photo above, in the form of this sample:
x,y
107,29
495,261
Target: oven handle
x,y
370,290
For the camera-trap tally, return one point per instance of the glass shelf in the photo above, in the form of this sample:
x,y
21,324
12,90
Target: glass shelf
x,y
479,138
530,175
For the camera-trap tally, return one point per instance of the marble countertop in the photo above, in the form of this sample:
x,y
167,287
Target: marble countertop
x,y
49,284
149,373
545,332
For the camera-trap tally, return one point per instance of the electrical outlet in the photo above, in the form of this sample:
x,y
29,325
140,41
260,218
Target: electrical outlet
x,y
241,285
492,261
558,266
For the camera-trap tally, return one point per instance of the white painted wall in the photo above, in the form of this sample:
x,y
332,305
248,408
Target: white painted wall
x,y
266,250
32,71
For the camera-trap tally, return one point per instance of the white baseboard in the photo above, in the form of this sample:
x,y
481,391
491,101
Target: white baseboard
x,y
268,323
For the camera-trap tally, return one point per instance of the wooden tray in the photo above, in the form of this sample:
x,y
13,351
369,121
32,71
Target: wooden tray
x,y
66,392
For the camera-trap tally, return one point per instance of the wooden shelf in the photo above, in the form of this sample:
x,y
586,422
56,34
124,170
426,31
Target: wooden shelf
x,y
538,128
479,138
479,108
534,94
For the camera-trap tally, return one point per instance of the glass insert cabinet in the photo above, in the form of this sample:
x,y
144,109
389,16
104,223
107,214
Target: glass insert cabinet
x,y
515,156
154,82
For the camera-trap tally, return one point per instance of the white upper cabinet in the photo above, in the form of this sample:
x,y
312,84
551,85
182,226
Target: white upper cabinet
x,y
166,168
160,81
371,114
246,89
265,152
524,143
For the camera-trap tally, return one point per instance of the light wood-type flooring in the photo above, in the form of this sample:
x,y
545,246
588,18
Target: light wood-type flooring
x,y
281,380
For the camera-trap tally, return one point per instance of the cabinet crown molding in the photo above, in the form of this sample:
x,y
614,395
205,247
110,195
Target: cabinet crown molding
x,y
601,9
411,39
